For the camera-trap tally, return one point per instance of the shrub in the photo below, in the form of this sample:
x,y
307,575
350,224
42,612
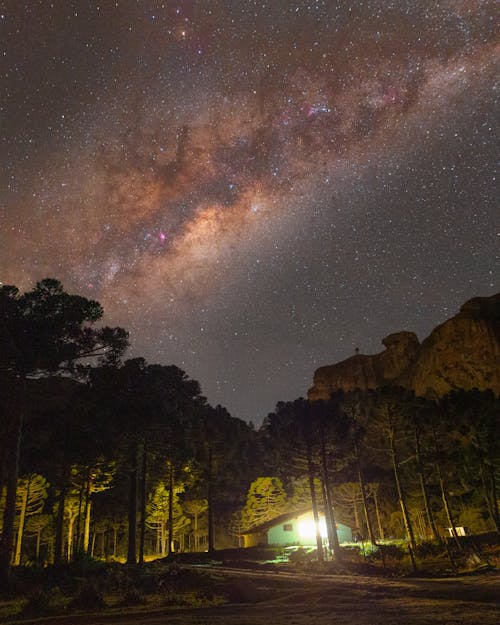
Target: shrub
x,y
394,552
38,604
133,597
429,548
88,598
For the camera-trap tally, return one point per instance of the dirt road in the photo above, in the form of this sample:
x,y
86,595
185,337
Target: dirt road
x,y
333,600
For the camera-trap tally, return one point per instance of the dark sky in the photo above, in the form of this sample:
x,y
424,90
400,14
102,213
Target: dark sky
x,y
253,189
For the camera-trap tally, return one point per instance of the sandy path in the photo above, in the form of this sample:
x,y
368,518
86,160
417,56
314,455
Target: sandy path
x,y
333,600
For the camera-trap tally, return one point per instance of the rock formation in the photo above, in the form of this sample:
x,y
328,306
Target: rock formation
x,y
463,352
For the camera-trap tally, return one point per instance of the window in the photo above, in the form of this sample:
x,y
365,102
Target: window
x,y
288,527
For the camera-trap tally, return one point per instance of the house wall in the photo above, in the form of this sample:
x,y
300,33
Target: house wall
x,y
344,533
277,535
292,532
254,539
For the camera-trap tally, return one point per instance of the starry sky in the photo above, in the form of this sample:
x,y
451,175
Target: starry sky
x,y
252,188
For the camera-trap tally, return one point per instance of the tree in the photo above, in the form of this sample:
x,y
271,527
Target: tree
x,y
421,416
390,412
43,332
93,477
266,500
148,410
476,419
290,430
164,510
31,495
355,405
225,446
35,526
195,508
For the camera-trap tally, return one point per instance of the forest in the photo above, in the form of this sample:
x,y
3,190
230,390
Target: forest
x,y
122,460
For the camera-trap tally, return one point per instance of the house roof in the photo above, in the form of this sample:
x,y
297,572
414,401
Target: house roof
x,y
282,518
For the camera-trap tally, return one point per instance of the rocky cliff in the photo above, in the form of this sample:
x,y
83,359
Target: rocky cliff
x,y
463,352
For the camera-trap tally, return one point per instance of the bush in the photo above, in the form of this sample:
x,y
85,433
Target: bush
x,y
41,603
429,548
394,552
88,598
302,556
133,597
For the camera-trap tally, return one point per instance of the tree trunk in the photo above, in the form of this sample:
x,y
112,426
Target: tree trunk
x,y
364,498
333,537
170,507
20,530
442,488
86,524
11,457
38,539
59,544
211,546
491,503
423,487
142,534
115,540
494,498
132,514
314,502
196,531
402,501
377,512
86,536
71,522
79,541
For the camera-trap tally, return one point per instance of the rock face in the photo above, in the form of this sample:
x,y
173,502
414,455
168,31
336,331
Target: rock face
x,y
463,352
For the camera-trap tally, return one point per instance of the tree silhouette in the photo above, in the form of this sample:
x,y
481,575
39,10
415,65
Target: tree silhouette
x,y
43,332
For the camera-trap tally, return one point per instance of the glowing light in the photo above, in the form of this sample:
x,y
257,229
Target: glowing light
x,y
307,529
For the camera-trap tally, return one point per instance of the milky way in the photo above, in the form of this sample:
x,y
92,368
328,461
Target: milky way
x,y
253,189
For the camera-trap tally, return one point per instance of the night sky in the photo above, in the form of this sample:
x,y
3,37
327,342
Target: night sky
x,y
252,189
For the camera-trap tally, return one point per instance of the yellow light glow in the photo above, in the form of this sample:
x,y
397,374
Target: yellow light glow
x,y
307,529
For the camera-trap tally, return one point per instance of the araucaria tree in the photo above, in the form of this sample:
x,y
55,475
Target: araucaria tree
x,y
390,415
42,332
266,500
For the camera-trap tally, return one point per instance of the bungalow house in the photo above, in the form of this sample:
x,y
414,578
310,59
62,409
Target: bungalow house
x,y
293,528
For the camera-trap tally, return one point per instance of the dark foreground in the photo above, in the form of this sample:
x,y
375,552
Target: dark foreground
x,y
298,599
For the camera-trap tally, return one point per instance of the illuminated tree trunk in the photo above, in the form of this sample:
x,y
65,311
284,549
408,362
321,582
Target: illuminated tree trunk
x,y
490,497
79,538
423,487
71,524
364,498
115,539
442,488
59,544
38,540
314,502
142,534
170,507
20,530
132,513
211,545
333,537
402,501
86,535
377,512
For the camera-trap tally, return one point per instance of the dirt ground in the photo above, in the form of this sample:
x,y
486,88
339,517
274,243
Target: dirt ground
x,y
298,599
